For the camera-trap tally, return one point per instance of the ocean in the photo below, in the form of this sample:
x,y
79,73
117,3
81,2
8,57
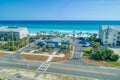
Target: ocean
x,y
64,26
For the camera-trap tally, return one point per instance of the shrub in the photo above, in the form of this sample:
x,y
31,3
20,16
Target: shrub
x,y
87,50
105,55
114,57
108,53
98,56
96,46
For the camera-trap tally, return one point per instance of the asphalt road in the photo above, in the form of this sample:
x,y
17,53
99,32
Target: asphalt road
x,y
100,73
75,66
76,57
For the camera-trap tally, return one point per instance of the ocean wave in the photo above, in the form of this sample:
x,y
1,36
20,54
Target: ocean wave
x,y
63,31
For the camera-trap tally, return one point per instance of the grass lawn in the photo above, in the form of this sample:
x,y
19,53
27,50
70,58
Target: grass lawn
x,y
4,79
114,64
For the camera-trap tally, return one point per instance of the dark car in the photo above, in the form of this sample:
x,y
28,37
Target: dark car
x,y
41,43
85,44
32,40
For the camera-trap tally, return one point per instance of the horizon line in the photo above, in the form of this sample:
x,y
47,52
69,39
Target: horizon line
x,y
57,20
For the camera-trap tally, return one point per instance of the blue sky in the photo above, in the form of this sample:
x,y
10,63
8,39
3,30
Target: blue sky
x,y
59,9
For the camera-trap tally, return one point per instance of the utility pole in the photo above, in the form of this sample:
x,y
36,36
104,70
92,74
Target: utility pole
x,y
13,40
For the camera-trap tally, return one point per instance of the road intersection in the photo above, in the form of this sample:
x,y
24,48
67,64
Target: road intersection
x,y
75,66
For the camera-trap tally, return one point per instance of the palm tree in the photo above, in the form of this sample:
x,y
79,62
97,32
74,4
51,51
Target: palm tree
x,y
44,33
73,35
6,35
9,42
12,36
90,34
96,46
87,33
2,41
37,34
95,35
80,33
63,35
55,33
28,38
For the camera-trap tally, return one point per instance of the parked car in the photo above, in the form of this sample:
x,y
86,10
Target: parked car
x,y
32,40
86,44
41,43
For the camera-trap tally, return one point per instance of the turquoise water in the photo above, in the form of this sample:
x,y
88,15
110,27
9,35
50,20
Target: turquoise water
x,y
60,26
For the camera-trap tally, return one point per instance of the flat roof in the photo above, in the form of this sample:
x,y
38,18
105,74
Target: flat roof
x,y
114,27
9,29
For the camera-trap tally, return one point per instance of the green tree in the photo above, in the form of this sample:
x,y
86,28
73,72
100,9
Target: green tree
x,y
87,33
80,34
105,55
95,35
108,53
9,42
114,57
3,41
99,55
96,46
37,35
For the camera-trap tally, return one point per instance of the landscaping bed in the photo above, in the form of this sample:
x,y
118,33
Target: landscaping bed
x,y
101,56
57,59
94,62
2,54
34,57
101,63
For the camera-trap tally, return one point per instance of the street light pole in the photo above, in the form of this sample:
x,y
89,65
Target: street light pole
x,y
12,39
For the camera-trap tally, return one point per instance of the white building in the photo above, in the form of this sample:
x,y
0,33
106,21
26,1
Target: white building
x,y
13,32
110,35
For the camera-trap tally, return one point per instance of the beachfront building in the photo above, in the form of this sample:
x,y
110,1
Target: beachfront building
x,y
110,35
13,32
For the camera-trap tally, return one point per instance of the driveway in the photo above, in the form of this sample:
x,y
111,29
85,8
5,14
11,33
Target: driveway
x,y
76,57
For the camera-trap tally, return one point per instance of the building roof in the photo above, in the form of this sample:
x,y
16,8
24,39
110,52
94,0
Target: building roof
x,y
114,27
61,40
9,29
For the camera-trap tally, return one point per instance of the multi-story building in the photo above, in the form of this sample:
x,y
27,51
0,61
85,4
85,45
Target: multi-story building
x,y
110,35
13,32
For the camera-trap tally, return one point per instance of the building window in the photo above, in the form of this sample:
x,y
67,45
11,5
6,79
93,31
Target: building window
x,y
105,41
113,44
113,39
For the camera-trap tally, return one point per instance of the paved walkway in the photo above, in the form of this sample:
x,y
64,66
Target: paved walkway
x,y
50,58
43,67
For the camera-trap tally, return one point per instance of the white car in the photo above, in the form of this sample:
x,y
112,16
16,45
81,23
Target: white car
x,y
86,45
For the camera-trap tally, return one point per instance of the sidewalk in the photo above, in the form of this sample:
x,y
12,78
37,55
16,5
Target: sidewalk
x,y
50,58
